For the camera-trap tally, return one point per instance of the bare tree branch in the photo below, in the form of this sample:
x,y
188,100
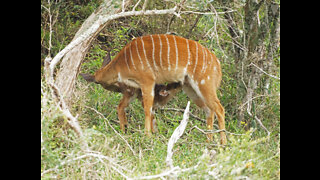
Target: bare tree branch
x,y
94,28
101,21
72,121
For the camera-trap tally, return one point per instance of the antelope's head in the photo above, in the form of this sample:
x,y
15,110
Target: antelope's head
x,y
101,76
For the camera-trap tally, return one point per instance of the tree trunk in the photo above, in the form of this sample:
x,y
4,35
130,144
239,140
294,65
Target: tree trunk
x,y
70,64
254,39
274,19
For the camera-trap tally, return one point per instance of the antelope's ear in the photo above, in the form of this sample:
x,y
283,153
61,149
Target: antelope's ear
x,y
88,77
106,60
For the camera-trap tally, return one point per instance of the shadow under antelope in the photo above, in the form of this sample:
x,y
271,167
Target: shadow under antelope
x,y
147,62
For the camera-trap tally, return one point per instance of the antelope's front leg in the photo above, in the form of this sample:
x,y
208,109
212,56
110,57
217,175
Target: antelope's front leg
x,y
153,122
147,97
124,102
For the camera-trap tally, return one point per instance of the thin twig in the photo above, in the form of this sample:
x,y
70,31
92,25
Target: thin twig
x,y
113,128
182,110
50,26
122,8
275,77
258,120
205,13
242,106
214,131
134,8
144,5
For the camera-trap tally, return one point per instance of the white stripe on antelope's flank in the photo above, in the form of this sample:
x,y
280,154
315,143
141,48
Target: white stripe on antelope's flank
x,y
139,55
211,57
206,61
168,52
177,53
210,61
203,60
160,52
188,52
195,65
125,58
153,49
188,62
132,58
145,54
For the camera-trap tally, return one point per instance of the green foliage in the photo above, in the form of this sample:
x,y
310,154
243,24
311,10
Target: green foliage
x,y
67,17
96,55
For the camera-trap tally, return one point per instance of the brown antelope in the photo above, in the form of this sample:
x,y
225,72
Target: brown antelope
x,y
162,58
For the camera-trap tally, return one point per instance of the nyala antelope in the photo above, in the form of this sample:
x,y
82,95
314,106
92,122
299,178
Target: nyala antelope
x,y
149,61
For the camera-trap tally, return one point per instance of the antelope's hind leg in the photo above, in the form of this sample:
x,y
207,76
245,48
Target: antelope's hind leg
x,y
214,107
219,110
201,104
204,96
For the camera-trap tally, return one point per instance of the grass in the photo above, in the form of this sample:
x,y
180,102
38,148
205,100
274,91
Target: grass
x,y
250,155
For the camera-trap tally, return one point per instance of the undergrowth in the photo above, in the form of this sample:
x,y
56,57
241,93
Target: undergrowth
x,y
248,154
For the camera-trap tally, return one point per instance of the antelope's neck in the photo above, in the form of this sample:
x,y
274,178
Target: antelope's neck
x,y
106,75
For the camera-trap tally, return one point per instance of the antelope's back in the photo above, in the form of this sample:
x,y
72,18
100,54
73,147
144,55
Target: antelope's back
x,y
168,58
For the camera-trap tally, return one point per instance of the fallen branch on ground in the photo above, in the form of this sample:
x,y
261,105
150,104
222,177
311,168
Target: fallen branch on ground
x,y
95,155
176,135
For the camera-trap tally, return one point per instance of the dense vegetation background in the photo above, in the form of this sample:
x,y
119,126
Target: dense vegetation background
x,y
244,35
